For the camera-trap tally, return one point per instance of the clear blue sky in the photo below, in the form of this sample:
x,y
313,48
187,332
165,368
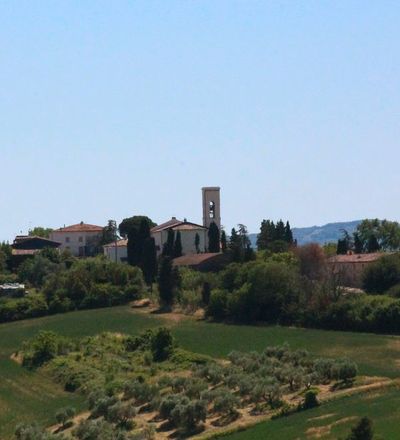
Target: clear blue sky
x,y
110,109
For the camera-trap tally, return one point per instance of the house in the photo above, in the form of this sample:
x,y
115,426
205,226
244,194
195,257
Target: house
x,y
25,246
82,239
349,268
188,233
117,251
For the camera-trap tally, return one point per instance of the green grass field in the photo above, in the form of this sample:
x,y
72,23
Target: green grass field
x,y
27,396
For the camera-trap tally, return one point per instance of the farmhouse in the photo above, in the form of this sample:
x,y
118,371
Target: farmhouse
x,y
117,251
349,268
82,239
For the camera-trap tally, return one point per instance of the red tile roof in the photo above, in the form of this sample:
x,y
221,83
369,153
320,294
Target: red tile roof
x,y
118,243
80,227
177,225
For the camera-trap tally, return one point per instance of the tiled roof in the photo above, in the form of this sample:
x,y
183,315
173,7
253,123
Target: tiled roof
x,y
356,258
25,238
80,227
177,225
194,259
119,243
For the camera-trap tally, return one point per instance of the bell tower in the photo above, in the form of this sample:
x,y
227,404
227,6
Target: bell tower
x,y
211,206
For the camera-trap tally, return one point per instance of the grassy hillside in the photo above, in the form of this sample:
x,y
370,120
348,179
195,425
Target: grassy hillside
x,y
30,396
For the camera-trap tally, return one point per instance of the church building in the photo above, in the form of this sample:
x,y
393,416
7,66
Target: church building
x,y
188,230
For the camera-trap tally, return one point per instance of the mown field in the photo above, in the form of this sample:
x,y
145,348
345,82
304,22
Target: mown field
x,y
30,396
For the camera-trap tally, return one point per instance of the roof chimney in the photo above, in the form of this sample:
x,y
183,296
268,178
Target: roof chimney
x,y
173,218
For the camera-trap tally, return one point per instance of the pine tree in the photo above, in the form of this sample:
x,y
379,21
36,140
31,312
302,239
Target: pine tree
x,y
166,283
223,241
197,242
213,238
149,261
177,245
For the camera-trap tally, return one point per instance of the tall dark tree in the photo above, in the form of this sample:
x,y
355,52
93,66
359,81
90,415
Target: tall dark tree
x,y
280,232
266,235
177,252
373,244
166,283
224,244
358,244
136,239
133,259
342,247
235,246
149,261
288,233
197,242
213,238
168,247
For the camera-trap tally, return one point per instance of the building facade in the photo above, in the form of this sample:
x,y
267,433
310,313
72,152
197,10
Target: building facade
x,y
117,251
82,239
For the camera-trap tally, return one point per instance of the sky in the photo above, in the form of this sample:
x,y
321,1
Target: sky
x,y
113,109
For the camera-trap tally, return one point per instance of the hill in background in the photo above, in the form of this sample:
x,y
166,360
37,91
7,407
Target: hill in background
x,y
328,233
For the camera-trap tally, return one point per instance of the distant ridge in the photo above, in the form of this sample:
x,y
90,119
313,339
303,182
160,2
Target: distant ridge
x,y
328,233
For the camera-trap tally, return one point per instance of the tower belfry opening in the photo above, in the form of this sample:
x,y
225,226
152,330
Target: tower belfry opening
x,y
211,206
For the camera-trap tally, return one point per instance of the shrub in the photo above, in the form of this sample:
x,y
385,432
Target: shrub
x,y
162,344
382,274
310,400
189,414
64,415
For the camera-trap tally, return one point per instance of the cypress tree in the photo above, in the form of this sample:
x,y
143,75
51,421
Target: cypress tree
x,y
213,238
149,261
177,245
166,283
197,242
168,247
223,241
235,246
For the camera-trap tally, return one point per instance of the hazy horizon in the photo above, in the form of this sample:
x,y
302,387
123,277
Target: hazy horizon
x,y
113,110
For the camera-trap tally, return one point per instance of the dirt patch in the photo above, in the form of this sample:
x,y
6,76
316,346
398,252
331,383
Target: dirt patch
x,y
17,357
325,416
322,431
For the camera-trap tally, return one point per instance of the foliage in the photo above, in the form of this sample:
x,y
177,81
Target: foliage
x,y
177,250
214,238
310,400
271,233
166,282
40,231
362,430
162,344
64,415
149,261
34,432
382,274
44,347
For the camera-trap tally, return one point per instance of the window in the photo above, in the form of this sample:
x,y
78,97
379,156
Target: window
x,y
80,239
66,239
212,210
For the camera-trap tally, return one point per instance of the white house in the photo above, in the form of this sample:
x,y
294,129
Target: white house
x,y
117,251
81,240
